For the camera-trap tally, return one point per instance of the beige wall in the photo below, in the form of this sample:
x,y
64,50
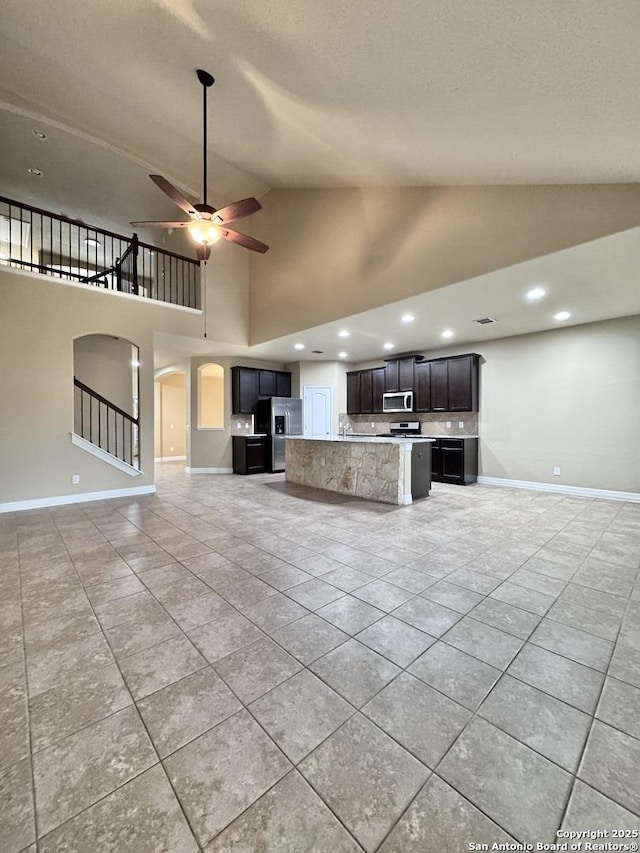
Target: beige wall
x,y
227,294
38,322
569,398
336,252
171,421
332,373
212,448
104,363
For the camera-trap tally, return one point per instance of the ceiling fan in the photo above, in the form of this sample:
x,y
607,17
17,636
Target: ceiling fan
x,y
206,224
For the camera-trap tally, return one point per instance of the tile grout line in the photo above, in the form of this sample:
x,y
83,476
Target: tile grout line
x,y
258,626
591,727
28,705
150,739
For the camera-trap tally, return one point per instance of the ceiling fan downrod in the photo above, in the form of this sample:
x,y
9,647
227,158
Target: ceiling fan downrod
x,y
207,80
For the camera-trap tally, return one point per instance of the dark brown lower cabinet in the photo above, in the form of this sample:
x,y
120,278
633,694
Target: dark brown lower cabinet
x,y
249,454
454,460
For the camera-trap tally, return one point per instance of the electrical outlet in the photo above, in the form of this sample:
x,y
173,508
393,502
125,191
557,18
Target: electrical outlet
x,y
448,424
75,479
460,424
556,471
372,425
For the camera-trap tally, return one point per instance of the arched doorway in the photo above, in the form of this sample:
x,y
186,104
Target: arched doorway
x,y
170,417
106,394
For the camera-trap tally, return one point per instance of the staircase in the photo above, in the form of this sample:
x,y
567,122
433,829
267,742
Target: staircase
x,y
105,430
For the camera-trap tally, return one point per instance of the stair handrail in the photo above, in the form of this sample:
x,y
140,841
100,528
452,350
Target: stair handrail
x,y
101,399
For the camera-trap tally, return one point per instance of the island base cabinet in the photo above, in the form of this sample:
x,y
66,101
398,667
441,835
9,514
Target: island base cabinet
x,y
454,460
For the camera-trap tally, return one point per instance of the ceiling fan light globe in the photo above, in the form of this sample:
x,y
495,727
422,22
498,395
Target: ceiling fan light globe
x,y
204,232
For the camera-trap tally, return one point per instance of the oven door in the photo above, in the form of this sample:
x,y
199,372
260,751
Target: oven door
x,y
398,402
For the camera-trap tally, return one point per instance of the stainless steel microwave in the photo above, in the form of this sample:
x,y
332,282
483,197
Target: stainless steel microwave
x,y
398,401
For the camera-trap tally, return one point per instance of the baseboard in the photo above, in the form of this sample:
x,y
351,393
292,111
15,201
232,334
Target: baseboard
x,y
576,491
170,458
101,454
83,497
209,470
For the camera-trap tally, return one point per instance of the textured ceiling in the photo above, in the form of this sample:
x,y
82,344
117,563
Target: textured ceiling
x,y
408,92
330,93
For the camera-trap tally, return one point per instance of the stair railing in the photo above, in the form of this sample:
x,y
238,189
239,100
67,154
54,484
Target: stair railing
x,y
106,425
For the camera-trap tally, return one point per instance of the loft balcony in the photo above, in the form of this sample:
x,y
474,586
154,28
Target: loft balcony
x,y
38,241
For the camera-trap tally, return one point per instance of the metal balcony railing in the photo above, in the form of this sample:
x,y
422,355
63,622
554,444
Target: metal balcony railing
x,y
43,242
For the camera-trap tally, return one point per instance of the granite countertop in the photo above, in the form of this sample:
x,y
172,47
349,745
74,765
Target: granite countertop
x,y
372,439
453,436
249,435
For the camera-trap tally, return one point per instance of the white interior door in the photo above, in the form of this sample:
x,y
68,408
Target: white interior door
x,y
318,410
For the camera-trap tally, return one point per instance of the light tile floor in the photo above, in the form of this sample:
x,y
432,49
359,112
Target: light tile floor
x,y
238,664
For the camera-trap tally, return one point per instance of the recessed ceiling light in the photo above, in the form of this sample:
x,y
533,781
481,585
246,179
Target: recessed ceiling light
x,y
562,315
39,134
298,346
91,241
343,333
407,318
35,172
388,345
535,293
446,334
342,355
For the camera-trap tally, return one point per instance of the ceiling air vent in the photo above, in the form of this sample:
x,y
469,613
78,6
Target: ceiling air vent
x,y
486,320
317,351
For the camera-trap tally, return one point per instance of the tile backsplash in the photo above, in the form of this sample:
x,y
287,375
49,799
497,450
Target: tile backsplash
x,y
238,425
433,423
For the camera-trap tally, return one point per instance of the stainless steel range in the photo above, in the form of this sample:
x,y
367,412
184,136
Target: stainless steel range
x,y
403,428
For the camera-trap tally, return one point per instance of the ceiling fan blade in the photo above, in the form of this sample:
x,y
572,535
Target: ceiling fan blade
x,y
237,210
175,195
159,224
204,253
244,240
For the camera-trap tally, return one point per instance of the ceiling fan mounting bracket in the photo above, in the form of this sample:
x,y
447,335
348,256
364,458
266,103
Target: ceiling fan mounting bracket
x,y
205,78
205,208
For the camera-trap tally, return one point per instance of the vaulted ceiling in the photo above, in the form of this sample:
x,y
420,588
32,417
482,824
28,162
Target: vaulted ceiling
x,y
312,94
365,92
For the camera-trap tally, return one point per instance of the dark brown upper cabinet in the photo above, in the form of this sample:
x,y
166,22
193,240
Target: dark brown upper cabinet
x,y
366,392
454,384
283,384
378,376
353,393
439,386
399,375
463,383
422,389
391,376
267,383
405,374
248,384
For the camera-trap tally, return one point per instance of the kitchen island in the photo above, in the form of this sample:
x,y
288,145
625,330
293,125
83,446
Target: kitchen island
x,y
389,470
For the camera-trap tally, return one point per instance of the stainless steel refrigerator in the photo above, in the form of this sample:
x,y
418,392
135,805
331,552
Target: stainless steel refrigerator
x,y
278,417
